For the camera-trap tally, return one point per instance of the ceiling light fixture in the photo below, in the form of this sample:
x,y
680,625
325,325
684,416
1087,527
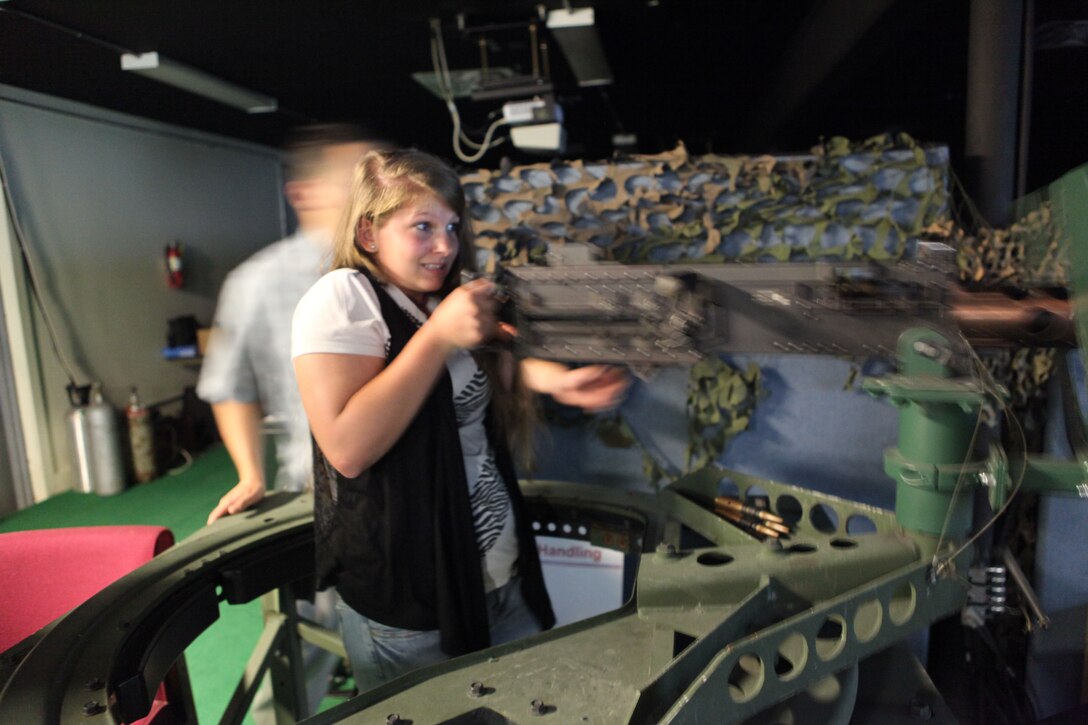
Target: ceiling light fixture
x,y
190,79
576,33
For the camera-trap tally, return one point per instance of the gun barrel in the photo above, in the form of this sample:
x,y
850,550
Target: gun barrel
x,y
996,319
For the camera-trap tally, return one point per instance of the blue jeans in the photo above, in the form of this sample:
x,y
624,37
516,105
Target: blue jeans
x,y
378,653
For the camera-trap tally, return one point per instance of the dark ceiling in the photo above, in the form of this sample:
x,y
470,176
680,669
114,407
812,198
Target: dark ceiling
x,y
724,76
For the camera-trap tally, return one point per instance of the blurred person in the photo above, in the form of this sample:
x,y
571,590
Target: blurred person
x,y
419,519
246,375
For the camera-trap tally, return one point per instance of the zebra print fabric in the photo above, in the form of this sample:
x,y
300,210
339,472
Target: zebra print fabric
x,y
469,402
490,505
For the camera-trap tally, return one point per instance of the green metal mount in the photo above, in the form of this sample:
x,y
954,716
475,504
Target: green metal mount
x,y
1045,475
934,458
934,463
731,630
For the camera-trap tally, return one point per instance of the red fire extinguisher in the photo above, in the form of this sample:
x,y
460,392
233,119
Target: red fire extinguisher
x,y
142,439
175,272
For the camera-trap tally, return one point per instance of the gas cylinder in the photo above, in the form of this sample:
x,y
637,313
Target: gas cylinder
x,y
92,426
142,439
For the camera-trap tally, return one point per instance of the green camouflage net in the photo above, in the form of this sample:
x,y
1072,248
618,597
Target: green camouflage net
x,y
843,200
1030,253
721,400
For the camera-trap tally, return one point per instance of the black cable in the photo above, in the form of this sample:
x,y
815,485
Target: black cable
x,y
1008,687
964,211
616,122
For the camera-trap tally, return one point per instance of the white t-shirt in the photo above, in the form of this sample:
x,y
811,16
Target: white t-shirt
x,y
341,314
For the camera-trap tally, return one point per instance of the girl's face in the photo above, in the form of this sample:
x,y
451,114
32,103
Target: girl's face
x,y
416,246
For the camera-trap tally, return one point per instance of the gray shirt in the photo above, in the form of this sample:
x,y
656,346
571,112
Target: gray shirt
x,y
249,353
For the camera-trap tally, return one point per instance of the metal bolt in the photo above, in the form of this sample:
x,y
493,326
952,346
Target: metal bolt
x,y
926,349
537,707
666,550
393,719
95,683
476,689
93,707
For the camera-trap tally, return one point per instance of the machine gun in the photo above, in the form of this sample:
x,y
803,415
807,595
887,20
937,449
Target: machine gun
x,y
647,315
720,626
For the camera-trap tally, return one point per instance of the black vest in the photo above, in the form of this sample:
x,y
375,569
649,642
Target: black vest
x,y
398,540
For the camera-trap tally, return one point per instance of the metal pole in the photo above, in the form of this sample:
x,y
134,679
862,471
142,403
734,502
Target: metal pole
x,y
932,434
1027,84
995,41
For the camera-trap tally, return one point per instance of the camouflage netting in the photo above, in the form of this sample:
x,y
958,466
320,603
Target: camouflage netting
x,y
1030,253
844,200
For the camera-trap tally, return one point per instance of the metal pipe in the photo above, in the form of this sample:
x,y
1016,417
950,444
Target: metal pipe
x,y
994,319
993,91
535,50
1027,86
1028,593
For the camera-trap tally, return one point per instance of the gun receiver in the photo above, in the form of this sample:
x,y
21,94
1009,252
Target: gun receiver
x,y
675,314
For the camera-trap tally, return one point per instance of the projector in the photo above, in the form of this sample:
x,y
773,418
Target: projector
x,y
536,125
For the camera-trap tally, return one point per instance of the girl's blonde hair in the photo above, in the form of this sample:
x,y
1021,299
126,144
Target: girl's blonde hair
x,y
385,181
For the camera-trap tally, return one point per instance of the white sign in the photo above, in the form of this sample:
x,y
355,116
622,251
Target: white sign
x,y
583,580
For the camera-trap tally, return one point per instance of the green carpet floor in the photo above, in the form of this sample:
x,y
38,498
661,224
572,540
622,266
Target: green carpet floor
x,y
180,502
